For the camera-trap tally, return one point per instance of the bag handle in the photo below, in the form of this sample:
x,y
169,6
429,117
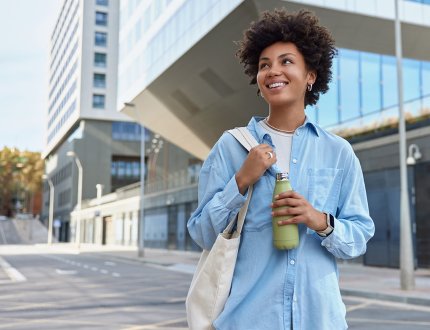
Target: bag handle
x,y
247,140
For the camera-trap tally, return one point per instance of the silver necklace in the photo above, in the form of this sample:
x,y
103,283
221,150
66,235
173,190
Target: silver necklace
x,y
277,129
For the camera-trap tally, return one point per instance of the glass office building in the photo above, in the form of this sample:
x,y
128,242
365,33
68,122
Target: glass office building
x,y
363,91
176,58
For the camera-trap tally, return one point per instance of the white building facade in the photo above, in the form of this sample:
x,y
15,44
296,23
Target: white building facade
x,y
82,116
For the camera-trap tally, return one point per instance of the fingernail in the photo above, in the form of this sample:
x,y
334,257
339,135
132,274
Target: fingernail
x,y
279,222
276,196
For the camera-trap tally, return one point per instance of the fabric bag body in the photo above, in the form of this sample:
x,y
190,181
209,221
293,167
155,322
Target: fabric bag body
x,y
211,283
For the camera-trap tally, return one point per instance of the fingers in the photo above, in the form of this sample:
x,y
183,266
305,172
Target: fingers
x,y
264,153
297,219
289,194
286,202
295,211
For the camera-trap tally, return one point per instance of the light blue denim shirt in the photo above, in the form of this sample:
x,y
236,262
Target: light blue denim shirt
x,y
272,288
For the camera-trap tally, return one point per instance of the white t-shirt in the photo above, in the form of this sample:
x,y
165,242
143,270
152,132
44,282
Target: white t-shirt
x,y
282,142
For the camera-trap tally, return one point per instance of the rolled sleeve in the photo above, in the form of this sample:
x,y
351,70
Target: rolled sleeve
x,y
353,225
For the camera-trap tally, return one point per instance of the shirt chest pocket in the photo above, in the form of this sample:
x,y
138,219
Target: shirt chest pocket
x,y
324,188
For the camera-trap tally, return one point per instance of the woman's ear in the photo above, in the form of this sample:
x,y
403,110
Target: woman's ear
x,y
312,77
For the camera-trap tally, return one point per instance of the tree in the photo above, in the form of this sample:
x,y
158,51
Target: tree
x,y
20,180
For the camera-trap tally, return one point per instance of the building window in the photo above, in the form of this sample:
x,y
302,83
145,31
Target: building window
x,y
100,60
126,131
98,101
194,167
100,39
102,2
101,18
124,171
99,80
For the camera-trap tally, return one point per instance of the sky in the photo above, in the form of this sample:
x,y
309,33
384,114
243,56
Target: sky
x,y
25,30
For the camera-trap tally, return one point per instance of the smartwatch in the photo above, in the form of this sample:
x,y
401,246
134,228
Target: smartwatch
x,y
330,226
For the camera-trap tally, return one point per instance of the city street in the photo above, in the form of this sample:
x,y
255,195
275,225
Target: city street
x,y
90,292
99,291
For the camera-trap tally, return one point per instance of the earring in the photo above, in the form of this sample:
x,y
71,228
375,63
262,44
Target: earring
x,y
310,87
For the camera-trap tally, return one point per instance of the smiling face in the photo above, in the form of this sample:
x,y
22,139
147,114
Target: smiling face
x,y
283,76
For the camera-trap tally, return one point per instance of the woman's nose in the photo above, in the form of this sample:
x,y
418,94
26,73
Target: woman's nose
x,y
274,72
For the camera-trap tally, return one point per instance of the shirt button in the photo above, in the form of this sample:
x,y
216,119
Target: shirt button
x,y
292,262
295,299
294,160
297,133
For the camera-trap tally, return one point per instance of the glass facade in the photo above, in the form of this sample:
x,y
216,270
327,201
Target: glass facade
x,y
126,131
363,90
124,171
426,2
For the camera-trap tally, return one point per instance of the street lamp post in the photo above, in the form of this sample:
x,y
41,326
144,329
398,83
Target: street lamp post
x,y
407,280
79,201
51,207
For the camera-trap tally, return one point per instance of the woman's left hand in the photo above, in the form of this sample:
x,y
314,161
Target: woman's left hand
x,y
300,210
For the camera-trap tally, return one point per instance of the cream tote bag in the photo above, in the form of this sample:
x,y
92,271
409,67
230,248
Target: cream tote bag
x,y
211,282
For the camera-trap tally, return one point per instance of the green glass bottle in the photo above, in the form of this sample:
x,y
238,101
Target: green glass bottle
x,y
285,237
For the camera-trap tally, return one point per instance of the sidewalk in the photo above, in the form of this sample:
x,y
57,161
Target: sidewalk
x,y
355,279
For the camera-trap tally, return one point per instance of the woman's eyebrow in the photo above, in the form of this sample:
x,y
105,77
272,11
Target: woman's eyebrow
x,y
280,56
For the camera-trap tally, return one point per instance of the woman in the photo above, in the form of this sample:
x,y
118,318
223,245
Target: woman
x,y
289,57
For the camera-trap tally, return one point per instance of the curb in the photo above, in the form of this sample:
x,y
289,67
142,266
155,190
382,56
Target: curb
x,y
386,297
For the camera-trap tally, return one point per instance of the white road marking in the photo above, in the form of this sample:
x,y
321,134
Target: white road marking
x,y
358,306
94,269
110,263
13,273
116,275
103,271
65,272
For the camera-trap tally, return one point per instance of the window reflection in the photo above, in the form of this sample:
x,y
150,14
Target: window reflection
x,y
328,104
371,87
349,84
411,79
389,81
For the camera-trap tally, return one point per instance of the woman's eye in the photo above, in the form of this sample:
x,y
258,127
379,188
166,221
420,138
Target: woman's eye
x,y
286,61
263,65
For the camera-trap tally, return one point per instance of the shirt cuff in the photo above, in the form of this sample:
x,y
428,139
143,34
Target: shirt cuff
x,y
231,197
330,240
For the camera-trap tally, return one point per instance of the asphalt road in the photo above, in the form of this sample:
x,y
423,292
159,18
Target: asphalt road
x,y
95,291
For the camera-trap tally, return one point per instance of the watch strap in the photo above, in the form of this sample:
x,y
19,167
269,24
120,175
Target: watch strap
x,y
330,226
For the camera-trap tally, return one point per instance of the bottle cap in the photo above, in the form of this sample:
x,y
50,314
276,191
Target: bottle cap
x,y
281,176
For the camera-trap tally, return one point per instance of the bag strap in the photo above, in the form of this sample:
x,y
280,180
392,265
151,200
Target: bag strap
x,y
244,136
247,140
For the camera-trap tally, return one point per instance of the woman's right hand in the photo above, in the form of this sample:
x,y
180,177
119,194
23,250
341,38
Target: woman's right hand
x,y
259,159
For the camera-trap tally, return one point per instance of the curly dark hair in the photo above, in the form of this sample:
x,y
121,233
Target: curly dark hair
x,y
313,41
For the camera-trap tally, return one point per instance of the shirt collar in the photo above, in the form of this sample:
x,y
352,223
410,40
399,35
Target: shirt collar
x,y
260,132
